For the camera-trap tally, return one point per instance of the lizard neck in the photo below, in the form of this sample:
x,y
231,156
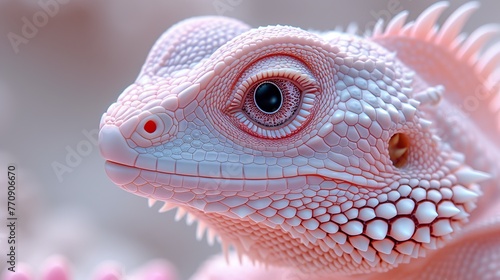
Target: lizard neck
x,y
456,128
276,247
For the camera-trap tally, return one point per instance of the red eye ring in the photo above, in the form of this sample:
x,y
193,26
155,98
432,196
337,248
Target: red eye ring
x,y
150,126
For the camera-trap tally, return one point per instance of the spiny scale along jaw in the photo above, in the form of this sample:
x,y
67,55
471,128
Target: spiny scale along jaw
x,y
346,164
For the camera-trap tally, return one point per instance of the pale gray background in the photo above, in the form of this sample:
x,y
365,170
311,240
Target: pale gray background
x,y
62,81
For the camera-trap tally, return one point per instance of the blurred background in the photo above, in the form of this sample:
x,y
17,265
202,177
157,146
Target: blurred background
x,y
55,84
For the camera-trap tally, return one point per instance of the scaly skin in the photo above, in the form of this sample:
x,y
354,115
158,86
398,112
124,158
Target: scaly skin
x,y
368,166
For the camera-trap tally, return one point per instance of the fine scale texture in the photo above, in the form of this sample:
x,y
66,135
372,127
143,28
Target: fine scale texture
x,y
369,167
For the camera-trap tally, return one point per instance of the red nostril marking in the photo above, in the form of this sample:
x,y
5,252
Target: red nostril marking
x,y
150,126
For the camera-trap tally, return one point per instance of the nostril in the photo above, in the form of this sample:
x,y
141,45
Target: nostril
x,y
150,126
114,147
399,145
152,129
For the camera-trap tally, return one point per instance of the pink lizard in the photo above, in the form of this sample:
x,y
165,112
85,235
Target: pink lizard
x,y
321,155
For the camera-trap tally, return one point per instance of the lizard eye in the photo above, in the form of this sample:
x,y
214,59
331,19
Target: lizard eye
x,y
274,97
272,103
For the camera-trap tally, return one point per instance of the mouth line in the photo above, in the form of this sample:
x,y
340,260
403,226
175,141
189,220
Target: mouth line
x,y
324,178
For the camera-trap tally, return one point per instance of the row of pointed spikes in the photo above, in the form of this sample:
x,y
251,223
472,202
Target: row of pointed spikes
x,y
190,219
200,230
448,36
466,48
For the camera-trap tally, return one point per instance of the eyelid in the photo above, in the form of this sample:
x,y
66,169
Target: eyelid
x,y
304,81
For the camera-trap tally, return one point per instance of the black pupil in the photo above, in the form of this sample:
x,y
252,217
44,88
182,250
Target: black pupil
x,y
268,97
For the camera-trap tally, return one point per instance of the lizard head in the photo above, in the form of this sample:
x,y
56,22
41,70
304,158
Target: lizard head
x,y
298,148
